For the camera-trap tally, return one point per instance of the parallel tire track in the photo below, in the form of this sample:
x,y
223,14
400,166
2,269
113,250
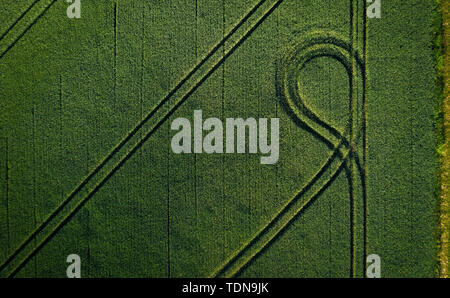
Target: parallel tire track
x,y
77,205
8,47
18,19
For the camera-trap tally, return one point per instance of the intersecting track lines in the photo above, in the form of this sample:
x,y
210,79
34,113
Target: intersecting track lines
x,y
5,46
284,218
321,45
132,142
318,44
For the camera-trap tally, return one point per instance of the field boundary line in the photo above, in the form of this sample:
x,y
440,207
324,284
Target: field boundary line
x,y
444,227
11,45
354,49
353,13
364,127
128,155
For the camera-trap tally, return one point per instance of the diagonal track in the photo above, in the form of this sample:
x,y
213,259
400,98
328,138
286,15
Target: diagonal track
x,y
131,143
261,240
155,127
5,48
337,162
18,19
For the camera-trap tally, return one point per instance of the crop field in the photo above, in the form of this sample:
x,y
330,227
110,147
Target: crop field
x,y
87,166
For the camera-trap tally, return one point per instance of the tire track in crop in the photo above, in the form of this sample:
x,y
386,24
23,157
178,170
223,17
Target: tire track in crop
x,y
317,45
67,218
364,126
351,105
237,263
11,45
18,19
78,205
277,227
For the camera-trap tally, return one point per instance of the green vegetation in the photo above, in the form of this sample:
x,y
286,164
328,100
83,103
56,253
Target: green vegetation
x,y
86,165
442,51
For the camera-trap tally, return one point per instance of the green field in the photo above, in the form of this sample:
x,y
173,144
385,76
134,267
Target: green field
x,y
86,165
